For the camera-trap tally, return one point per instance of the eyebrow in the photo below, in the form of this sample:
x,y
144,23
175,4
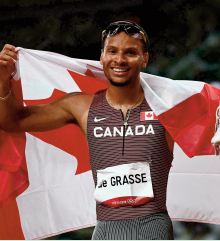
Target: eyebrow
x,y
131,48
126,49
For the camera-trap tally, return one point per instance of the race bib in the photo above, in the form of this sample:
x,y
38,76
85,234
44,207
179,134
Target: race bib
x,y
124,185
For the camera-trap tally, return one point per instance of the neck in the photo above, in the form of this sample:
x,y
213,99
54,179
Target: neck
x,y
126,97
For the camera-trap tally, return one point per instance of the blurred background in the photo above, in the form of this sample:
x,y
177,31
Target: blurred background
x,y
184,37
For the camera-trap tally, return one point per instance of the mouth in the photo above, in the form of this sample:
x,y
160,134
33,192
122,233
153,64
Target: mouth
x,y
120,70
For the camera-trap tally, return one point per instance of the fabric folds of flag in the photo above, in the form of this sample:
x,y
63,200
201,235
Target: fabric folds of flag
x,y
187,111
60,195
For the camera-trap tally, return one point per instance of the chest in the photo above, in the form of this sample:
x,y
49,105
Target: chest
x,y
114,138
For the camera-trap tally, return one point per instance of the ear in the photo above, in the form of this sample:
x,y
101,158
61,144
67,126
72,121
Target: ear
x,y
145,59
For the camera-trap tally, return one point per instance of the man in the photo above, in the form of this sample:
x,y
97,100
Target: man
x,y
131,200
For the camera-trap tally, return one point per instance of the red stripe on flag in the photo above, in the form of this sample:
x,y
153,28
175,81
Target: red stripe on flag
x,y
13,169
142,116
192,122
13,176
10,226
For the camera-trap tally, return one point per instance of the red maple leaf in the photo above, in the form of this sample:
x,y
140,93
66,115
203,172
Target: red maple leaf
x,y
149,114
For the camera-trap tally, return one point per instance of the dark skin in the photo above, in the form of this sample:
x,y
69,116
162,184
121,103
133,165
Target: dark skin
x,y
122,58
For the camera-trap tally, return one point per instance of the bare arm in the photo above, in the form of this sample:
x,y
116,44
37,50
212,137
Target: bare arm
x,y
72,108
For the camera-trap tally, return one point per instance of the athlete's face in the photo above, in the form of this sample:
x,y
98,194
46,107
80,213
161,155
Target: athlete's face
x,y
122,59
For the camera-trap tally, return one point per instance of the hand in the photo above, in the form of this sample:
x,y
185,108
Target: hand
x,y
8,58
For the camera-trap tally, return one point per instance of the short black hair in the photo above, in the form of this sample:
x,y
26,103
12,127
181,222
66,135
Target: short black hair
x,y
130,28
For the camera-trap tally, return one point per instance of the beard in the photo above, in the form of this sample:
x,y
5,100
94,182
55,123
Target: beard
x,y
119,84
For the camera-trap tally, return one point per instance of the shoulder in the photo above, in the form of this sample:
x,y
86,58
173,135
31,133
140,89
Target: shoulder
x,y
78,105
83,99
78,100
80,96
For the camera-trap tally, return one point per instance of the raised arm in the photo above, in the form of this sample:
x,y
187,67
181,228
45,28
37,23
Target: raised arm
x,y
72,108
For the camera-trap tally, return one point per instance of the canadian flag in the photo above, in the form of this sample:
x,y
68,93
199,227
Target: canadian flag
x,y
147,115
54,167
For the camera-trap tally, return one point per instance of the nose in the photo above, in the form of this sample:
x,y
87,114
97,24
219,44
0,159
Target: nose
x,y
120,59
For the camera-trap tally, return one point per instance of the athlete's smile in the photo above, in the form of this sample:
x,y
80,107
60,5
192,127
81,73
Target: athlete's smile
x,y
123,58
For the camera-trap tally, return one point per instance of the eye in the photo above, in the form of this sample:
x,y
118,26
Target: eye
x,y
131,52
111,51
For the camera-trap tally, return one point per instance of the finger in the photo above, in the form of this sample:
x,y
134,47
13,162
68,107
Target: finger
x,y
9,47
8,51
6,68
11,61
3,63
8,63
8,59
7,54
13,55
